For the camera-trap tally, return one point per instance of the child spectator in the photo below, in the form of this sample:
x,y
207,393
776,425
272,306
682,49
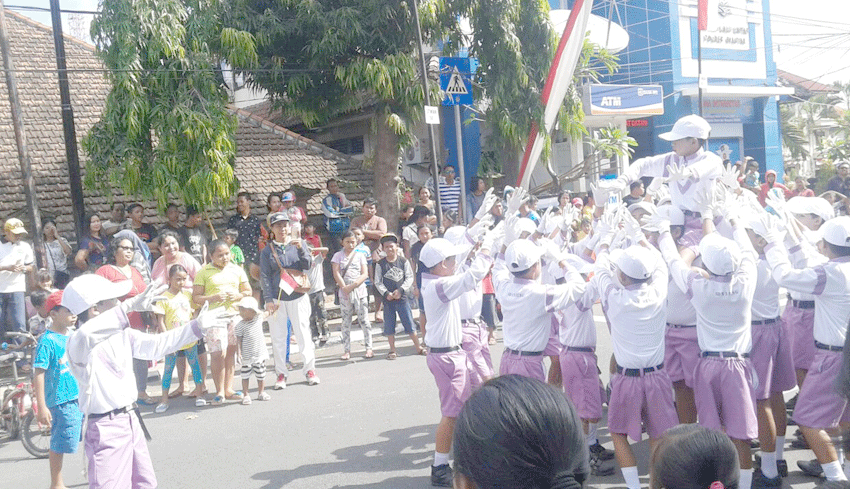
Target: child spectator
x,y
40,321
236,255
174,312
252,347
350,271
56,390
318,315
394,279
44,282
424,234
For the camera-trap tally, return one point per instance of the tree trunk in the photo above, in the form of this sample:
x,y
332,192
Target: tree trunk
x,y
385,170
510,159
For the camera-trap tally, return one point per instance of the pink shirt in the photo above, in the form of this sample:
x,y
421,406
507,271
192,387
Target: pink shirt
x,y
159,273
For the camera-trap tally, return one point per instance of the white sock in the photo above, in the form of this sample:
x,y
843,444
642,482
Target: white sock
x,y
833,471
592,429
768,464
780,448
746,478
631,476
440,459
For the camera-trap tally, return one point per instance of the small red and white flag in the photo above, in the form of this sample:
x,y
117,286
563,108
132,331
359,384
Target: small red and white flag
x,y
287,283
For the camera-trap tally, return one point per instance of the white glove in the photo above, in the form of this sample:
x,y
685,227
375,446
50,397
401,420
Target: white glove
x,y
490,237
480,227
655,186
632,228
144,302
704,200
215,318
776,200
551,251
729,178
545,225
775,231
678,172
600,194
614,186
487,204
656,222
607,228
515,201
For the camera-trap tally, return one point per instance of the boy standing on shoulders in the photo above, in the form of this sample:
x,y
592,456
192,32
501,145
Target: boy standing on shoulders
x,y
56,390
393,279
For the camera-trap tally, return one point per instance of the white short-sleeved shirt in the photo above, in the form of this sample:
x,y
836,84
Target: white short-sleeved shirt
x,y
679,308
19,252
766,297
578,329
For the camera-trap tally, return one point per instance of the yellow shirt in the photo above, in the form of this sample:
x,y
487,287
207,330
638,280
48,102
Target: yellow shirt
x,y
215,280
177,309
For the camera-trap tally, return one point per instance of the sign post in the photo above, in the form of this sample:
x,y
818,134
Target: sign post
x,y
455,82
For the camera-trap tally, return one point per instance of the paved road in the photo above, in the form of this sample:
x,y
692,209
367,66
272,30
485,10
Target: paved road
x,y
370,424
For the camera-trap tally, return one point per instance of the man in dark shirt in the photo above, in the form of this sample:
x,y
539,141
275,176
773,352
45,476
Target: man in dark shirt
x,y
393,280
286,254
248,226
839,183
636,192
193,235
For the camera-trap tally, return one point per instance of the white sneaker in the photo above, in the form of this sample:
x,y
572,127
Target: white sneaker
x,y
161,408
312,378
264,396
281,382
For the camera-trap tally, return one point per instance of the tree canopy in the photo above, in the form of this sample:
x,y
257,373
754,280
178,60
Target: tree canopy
x,y
165,131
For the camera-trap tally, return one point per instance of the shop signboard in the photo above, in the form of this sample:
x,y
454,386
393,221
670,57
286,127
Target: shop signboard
x,y
627,100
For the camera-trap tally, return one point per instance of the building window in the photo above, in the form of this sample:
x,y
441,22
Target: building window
x,y
349,146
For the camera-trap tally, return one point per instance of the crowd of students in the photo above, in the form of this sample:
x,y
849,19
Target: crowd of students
x,y
688,273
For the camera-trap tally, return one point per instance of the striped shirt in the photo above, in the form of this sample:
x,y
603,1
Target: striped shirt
x,y
254,348
449,195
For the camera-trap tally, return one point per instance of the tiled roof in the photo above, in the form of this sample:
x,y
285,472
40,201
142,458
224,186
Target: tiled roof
x,y
269,157
805,87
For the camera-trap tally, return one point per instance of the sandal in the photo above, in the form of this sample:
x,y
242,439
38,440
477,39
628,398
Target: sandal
x,y
145,401
369,354
345,356
423,351
177,393
391,355
235,396
217,400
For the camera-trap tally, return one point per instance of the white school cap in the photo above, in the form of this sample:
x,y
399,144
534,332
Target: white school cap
x,y
522,254
690,126
87,290
836,231
811,205
438,249
525,225
635,261
455,234
721,256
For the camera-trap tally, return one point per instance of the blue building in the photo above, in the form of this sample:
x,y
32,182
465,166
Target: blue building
x,y
740,92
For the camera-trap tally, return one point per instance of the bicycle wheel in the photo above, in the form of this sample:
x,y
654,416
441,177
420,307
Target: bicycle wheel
x,y
35,438
14,421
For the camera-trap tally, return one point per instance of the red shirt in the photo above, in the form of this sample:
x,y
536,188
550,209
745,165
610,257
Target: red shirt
x,y
765,188
314,240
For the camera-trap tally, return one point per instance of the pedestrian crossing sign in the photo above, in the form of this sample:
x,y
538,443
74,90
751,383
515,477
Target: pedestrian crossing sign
x,y
456,81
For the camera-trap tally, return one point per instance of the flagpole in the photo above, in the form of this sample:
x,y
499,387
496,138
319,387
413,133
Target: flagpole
x,y
699,69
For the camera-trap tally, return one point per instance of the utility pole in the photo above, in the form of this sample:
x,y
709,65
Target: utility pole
x,y
20,135
71,153
435,171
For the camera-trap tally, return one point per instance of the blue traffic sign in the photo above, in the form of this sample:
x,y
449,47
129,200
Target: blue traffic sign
x,y
456,81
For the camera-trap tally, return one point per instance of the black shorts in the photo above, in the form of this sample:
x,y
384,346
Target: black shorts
x,y
202,347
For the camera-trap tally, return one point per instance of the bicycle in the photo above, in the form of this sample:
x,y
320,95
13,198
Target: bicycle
x,y
19,411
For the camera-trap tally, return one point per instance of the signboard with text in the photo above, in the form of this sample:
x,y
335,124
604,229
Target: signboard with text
x,y
623,99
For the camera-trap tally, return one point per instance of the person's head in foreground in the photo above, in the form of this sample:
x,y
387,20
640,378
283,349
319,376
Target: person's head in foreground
x,y
519,432
690,456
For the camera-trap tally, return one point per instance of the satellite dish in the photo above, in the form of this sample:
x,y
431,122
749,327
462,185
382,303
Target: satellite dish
x,y
608,35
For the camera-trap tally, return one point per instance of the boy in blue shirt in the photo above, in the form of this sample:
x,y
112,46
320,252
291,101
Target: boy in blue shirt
x,y
56,389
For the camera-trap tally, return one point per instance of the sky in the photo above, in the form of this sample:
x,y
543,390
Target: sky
x,y
811,37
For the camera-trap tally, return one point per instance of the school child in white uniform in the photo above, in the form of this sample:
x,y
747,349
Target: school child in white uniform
x,y
773,364
633,293
819,408
722,295
528,306
447,361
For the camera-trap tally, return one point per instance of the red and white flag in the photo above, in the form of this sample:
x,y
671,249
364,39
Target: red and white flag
x,y
557,84
287,282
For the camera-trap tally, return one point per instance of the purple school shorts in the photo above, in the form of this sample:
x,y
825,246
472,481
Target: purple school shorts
x,y
800,323
723,390
771,359
645,399
554,347
452,376
819,405
527,366
580,377
479,369
681,352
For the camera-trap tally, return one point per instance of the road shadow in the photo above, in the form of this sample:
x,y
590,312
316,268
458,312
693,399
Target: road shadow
x,y
400,450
